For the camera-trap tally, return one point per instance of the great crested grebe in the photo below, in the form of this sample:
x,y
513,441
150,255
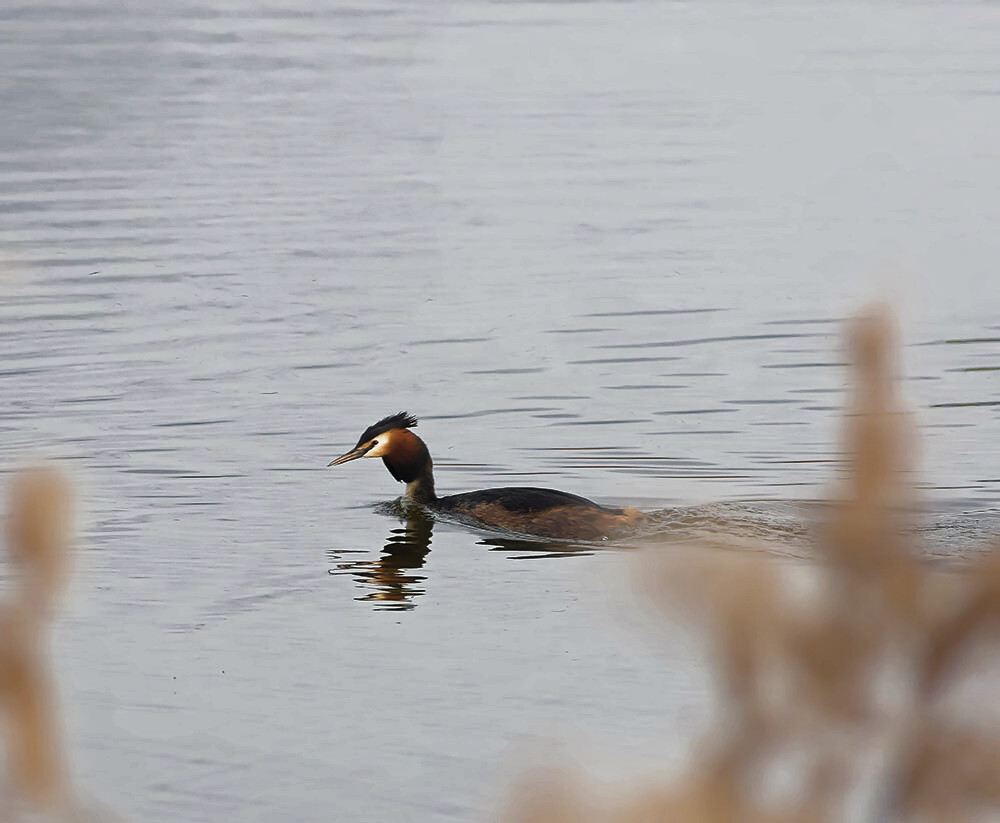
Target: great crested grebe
x,y
542,512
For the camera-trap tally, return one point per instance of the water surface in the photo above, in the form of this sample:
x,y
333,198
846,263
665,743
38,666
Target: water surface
x,y
604,247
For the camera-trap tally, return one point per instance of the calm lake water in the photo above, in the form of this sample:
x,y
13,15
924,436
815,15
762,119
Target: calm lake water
x,y
604,247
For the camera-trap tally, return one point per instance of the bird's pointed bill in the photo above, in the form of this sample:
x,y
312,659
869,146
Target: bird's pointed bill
x,y
353,454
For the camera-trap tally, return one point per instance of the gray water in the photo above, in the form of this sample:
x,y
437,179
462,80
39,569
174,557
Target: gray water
x,y
604,247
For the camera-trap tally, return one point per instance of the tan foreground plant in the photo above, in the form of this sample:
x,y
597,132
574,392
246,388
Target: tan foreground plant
x,y
855,688
38,536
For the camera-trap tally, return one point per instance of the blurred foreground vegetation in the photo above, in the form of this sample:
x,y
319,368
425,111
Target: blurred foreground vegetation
x,y
861,687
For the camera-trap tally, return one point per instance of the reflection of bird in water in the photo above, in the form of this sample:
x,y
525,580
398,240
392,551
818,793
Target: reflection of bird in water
x,y
405,549
543,512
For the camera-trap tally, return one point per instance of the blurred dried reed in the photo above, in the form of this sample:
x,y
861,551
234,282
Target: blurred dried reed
x,y
38,535
854,688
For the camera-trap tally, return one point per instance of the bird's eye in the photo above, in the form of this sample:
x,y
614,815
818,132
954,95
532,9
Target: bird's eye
x,y
374,442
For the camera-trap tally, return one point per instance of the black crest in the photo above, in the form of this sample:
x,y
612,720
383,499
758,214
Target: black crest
x,y
400,420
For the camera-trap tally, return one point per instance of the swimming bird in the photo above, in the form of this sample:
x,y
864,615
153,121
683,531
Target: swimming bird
x,y
541,512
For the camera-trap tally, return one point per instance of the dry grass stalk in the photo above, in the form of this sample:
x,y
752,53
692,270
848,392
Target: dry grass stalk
x,y
842,685
39,532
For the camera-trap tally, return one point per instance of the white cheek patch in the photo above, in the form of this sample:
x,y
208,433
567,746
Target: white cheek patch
x,y
381,447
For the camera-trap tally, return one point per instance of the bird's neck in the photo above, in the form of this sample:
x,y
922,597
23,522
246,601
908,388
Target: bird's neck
x,y
409,462
421,488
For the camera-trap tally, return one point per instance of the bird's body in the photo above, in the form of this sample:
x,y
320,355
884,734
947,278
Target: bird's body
x,y
528,510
